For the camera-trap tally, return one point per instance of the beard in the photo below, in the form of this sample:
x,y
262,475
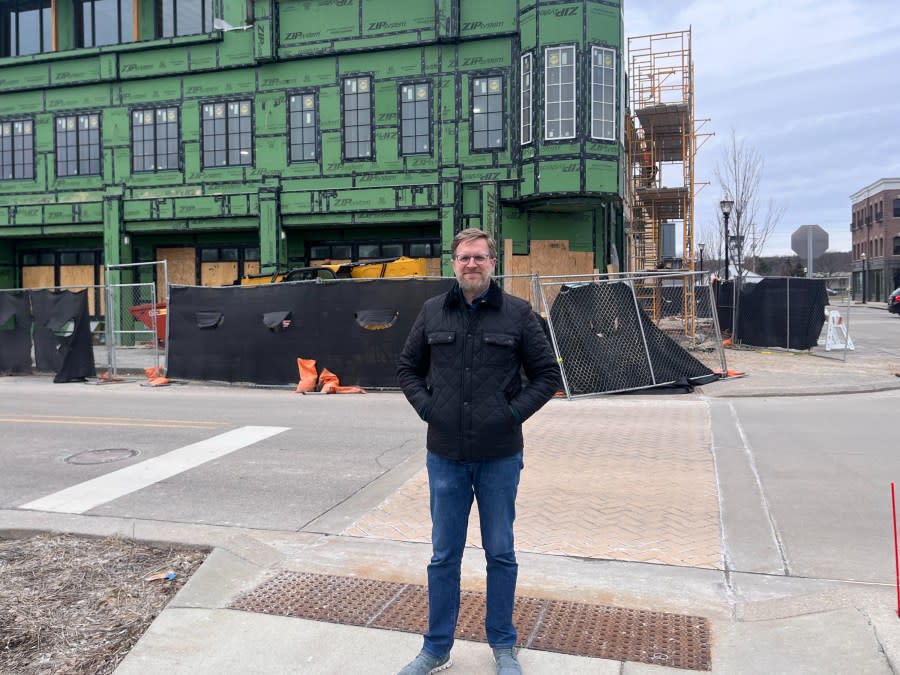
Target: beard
x,y
474,285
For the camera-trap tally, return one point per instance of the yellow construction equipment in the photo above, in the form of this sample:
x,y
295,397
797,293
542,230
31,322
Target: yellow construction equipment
x,y
367,269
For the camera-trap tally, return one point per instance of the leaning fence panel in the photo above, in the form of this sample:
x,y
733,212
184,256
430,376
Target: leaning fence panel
x,y
630,332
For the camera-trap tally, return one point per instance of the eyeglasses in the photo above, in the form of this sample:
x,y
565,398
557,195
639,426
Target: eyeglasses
x,y
477,259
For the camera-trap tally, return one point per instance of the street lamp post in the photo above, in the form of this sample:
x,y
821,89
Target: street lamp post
x,y
864,275
726,205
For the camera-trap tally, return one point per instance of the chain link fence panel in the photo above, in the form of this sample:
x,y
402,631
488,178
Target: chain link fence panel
x,y
628,332
136,318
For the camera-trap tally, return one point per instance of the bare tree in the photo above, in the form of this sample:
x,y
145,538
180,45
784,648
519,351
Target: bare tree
x,y
739,172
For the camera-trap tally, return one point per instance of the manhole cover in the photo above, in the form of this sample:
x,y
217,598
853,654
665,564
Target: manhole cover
x,y
102,456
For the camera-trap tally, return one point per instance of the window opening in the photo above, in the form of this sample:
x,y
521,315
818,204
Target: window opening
x,y
357,118
304,124
227,134
415,119
526,102
154,139
25,27
559,96
183,17
487,113
603,93
104,22
78,145
16,149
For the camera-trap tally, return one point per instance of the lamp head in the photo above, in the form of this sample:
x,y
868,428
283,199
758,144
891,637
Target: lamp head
x,y
726,205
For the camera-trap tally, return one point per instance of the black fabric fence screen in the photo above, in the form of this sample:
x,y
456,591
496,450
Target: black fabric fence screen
x,y
783,312
59,324
15,333
255,334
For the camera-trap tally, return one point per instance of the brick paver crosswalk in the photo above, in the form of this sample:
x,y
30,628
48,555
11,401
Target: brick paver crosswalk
x,y
621,479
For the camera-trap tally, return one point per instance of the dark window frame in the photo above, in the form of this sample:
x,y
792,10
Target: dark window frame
x,y
154,127
403,106
76,132
599,118
10,150
11,36
166,25
87,22
526,86
317,140
228,150
896,206
559,85
352,113
490,98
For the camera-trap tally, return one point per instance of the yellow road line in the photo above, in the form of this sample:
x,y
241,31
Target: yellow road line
x,y
112,422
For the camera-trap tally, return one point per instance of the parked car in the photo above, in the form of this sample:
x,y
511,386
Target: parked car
x,y
894,301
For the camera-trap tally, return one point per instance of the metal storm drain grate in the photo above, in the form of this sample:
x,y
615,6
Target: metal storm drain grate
x,y
598,631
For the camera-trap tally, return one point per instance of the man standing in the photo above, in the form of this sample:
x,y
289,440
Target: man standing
x,y
460,370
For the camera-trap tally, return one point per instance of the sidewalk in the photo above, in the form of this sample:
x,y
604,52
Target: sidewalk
x,y
622,569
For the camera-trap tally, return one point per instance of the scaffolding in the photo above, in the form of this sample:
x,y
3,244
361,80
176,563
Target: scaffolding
x,y
662,135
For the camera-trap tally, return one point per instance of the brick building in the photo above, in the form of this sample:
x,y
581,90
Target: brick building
x,y
875,233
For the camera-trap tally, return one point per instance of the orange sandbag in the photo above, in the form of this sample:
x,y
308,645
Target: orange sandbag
x,y
307,368
330,384
729,373
155,377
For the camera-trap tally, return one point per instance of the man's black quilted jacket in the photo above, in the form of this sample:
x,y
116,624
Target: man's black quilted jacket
x,y
460,371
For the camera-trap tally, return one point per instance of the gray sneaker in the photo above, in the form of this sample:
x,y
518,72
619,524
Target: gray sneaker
x,y
425,663
507,664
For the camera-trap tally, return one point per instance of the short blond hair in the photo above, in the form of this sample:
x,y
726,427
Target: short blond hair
x,y
473,234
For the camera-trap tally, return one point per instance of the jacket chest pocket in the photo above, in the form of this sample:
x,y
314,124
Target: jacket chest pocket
x,y
499,349
442,343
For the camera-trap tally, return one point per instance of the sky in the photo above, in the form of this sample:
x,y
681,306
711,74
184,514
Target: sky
x,y
812,85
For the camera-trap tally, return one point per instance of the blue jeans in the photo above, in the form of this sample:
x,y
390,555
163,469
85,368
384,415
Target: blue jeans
x,y
452,485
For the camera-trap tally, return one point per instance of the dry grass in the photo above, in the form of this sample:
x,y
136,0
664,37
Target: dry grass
x,y
77,605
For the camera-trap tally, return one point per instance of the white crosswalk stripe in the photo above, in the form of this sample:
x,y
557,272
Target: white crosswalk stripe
x,y
92,493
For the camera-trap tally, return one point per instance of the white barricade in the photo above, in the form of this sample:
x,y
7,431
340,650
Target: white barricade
x,y
837,336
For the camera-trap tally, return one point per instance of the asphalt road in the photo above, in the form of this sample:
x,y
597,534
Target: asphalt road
x,y
876,330
804,482
332,448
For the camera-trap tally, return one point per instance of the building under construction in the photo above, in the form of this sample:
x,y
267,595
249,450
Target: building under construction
x,y
230,137
662,133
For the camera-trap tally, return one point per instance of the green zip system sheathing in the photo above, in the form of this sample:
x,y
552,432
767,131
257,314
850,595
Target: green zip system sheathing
x,y
566,188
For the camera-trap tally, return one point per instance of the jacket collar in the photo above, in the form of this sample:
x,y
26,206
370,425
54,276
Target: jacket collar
x,y
494,297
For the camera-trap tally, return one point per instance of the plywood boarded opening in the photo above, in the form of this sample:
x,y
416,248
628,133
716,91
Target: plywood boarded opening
x,y
550,257
39,276
433,267
83,276
218,273
181,266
